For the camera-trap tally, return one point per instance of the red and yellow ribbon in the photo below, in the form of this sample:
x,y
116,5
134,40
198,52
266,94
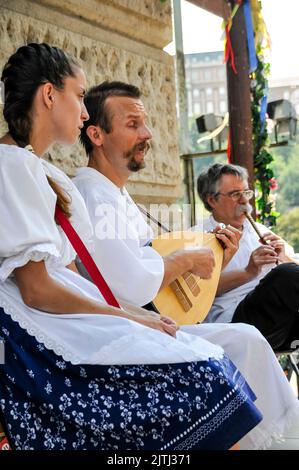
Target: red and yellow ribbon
x,y
228,50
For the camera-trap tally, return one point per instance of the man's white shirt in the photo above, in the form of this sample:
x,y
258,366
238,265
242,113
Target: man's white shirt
x,y
224,305
133,270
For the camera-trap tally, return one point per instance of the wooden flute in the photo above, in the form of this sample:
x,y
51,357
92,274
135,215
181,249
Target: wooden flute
x,y
251,220
261,237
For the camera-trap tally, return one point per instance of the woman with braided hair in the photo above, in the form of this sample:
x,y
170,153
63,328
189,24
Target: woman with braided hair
x,y
78,373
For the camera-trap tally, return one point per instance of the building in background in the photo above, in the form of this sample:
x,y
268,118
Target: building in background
x,y
206,83
207,90
285,88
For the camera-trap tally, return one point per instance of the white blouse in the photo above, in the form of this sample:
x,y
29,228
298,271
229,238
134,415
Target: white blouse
x,y
28,232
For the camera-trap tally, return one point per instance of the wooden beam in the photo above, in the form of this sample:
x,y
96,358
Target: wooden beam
x,y
239,100
217,7
181,77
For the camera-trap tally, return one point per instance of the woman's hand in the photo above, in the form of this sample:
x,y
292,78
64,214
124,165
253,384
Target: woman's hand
x,y
158,322
150,319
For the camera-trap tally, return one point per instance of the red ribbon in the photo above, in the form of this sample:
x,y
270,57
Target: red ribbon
x,y
228,151
85,257
229,53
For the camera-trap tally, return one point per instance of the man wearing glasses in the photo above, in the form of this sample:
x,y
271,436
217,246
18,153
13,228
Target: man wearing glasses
x,y
260,285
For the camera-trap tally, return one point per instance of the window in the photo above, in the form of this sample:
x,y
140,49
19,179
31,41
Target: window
x,y
221,73
196,108
223,107
210,107
222,90
195,92
209,91
207,74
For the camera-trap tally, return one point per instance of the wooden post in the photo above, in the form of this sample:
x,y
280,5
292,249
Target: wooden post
x,y
239,99
217,7
190,189
181,77
183,109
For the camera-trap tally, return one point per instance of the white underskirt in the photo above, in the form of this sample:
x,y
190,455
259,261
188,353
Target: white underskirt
x,y
101,339
253,356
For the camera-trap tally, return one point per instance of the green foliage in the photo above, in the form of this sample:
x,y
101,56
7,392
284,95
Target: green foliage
x,y
289,193
288,227
285,166
262,158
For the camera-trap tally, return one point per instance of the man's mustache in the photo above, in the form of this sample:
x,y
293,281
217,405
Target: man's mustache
x,y
141,147
242,208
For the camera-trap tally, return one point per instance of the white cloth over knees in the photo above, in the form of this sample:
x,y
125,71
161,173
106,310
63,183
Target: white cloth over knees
x,y
253,356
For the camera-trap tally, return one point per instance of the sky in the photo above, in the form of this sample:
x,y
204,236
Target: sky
x,y
202,33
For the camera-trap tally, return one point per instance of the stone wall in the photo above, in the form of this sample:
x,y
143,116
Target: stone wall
x,y
113,39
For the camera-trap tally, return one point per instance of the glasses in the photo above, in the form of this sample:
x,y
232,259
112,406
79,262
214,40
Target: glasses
x,y
236,195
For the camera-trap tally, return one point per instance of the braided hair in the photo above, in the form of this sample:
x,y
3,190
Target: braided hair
x,y
28,68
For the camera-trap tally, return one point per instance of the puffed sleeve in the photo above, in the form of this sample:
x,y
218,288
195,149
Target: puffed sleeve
x,y
79,219
27,204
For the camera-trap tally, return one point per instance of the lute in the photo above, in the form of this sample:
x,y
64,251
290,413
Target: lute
x,y
189,298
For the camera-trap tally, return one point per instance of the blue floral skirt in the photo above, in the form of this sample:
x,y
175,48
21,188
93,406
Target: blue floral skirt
x,y
48,403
